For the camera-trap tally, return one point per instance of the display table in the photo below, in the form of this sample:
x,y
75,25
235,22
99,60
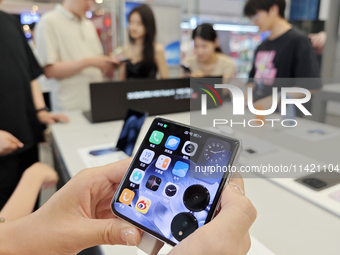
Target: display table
x,y
321,99
286,223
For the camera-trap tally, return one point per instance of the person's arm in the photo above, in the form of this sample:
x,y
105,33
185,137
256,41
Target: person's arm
x,y
44,116
62,70
122,67
122,72
76,217
38,98
48,50
24,197
161,62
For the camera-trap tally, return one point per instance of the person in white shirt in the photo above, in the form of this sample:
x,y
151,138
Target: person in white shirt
x,y
71,54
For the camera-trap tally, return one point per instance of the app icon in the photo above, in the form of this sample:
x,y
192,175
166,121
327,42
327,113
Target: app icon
x,y
189,148
156,137
163,162
126,196
136,176
143,205
146,156
180,169
153,183
172,142
170,189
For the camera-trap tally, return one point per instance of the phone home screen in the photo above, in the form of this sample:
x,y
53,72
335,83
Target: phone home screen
x,y
169,190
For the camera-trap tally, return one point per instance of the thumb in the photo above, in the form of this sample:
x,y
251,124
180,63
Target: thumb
x,y
110,231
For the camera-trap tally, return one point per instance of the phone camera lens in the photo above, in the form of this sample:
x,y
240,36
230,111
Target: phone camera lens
x,y
196,198
182,225
189,148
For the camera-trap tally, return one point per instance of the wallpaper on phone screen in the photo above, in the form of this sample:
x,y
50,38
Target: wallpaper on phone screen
x,y
164,168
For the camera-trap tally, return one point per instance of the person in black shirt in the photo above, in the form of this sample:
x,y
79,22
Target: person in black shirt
x,y
22,107
286,53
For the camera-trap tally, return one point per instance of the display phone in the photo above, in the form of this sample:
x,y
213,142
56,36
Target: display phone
x,y
133,123
170,188
124,60
186,69
321,180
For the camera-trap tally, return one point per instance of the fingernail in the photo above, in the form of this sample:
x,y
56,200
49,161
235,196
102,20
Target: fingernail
x,y
236,187
128,236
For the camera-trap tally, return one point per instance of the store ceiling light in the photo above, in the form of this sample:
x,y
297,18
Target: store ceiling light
x,y
236,28
35,7
226,27
26,27
89,14
99,1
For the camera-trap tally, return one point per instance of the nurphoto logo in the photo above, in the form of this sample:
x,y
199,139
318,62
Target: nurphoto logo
x,y
238,104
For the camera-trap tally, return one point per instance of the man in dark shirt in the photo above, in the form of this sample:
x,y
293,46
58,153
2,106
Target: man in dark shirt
x,y
287,53
22,107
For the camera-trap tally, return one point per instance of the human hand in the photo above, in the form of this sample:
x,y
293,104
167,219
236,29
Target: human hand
x,y
45,173
48,118
318,41
8,143
78,216
228,232
196,74
104,63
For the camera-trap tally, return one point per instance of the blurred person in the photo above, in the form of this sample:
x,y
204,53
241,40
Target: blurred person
x,y
42,80
79,216
208,59
22,105
286,53
145,56
22,201
71,53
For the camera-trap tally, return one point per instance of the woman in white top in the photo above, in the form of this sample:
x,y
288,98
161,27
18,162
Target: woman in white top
x,y
208,59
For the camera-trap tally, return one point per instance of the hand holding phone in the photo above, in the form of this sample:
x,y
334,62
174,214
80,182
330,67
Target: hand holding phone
x,y
167,190
237,213
186,69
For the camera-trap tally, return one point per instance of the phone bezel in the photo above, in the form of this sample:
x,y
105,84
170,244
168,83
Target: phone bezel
x,y
235,147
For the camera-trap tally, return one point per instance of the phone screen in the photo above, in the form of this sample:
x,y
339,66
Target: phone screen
x,y
167,190
132,125
186,69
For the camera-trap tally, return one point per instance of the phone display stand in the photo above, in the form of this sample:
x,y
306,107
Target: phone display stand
x,y
149,244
